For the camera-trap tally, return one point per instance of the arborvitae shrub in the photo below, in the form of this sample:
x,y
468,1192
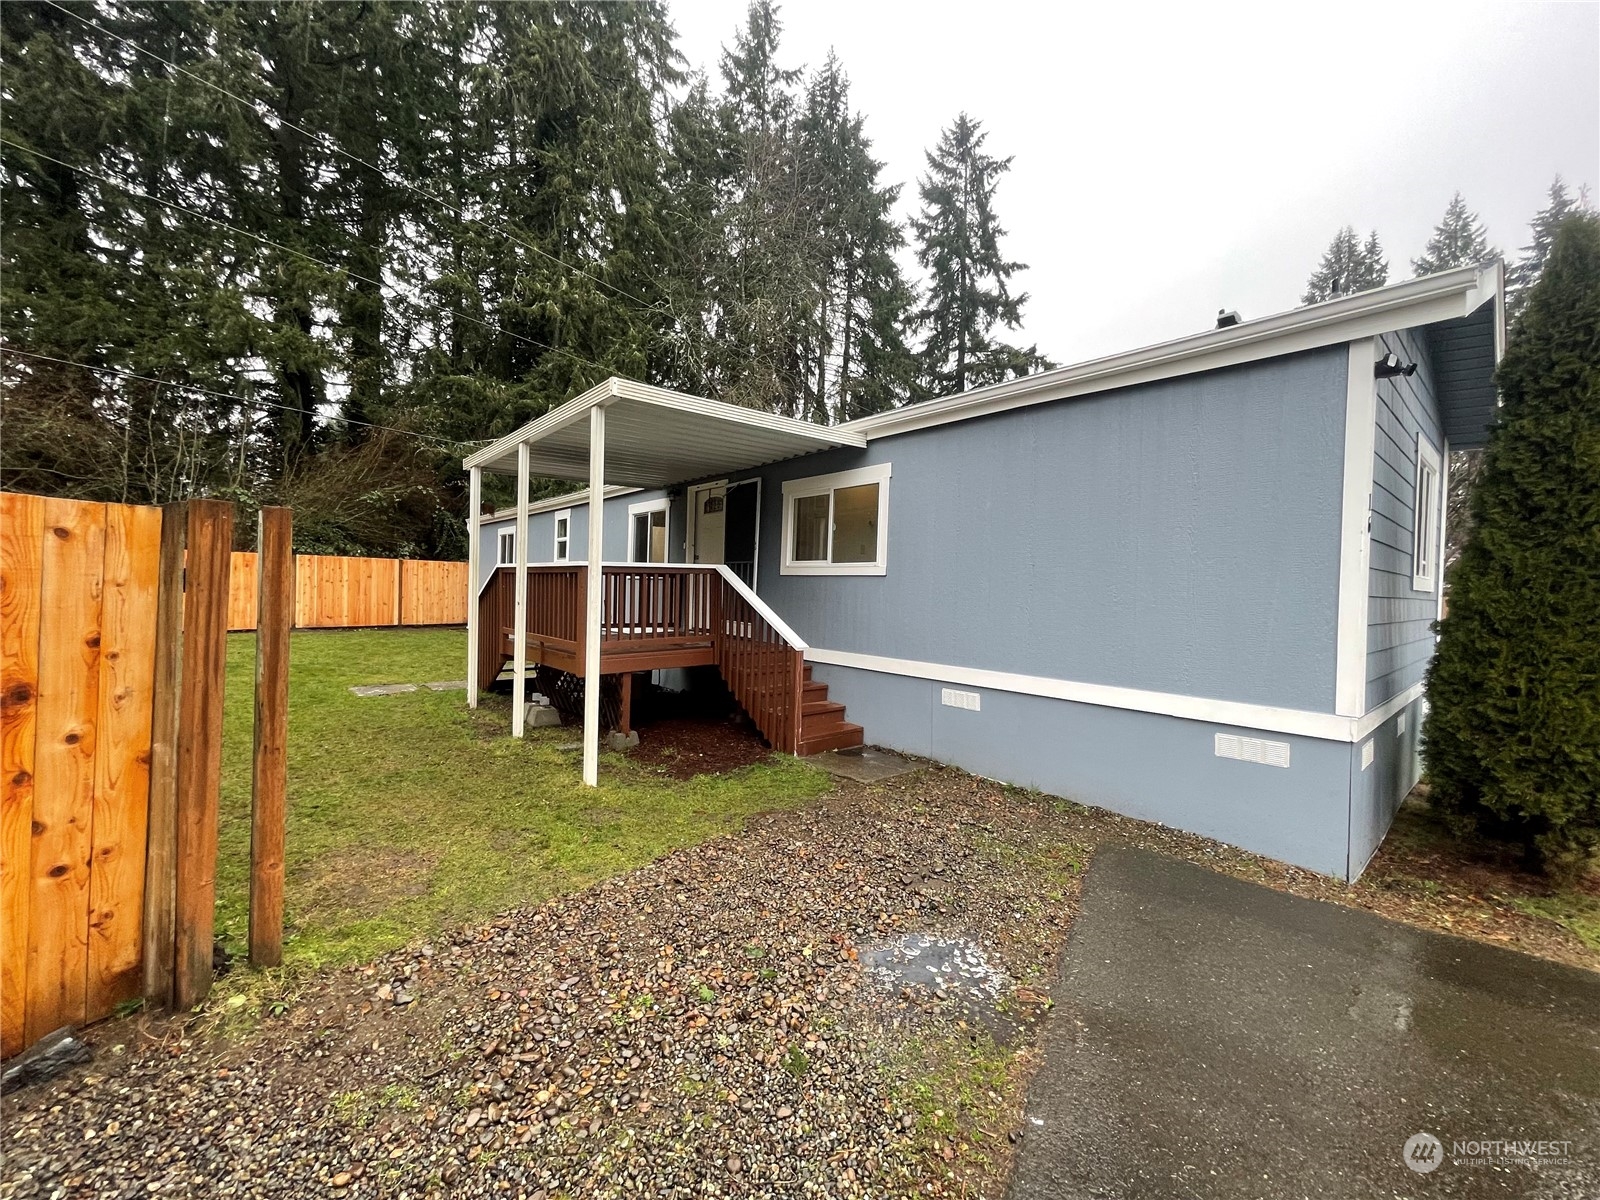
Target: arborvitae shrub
x,y
1512,740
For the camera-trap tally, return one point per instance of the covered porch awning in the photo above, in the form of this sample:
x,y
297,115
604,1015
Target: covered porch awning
x,y
631,434
657,438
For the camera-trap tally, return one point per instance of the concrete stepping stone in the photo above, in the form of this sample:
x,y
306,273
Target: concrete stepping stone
x,y
383,689
447,685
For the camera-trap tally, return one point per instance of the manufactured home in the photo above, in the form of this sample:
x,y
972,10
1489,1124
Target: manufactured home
x,y
1194,583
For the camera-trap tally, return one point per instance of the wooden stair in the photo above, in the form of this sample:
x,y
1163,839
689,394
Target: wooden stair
x,y
822,723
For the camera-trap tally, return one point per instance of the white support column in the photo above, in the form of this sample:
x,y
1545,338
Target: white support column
x,y
519,660
591,636
1360,417
474,582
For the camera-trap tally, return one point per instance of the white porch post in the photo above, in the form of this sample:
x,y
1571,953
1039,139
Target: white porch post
x,y
519,661
474,583
591,636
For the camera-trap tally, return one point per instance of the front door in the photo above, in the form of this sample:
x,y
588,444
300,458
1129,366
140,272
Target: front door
x,y
708,520
722,525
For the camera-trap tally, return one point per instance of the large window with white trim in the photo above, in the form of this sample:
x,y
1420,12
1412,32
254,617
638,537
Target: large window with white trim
x,y
837,524
1425,511
507,547
563,528
647,531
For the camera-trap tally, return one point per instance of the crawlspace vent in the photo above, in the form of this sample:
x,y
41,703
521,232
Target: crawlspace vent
x,y
1256,750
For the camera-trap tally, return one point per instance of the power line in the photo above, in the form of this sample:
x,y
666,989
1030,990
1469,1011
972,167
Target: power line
x,y
266,241
337,149
247,400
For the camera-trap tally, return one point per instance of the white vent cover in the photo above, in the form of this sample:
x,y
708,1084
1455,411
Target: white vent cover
x,y
1366,754
954,699
1256,750
1400,725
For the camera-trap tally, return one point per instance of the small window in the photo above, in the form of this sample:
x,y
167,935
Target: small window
x,y
1426,505
563,550
507,556
647,532
837,524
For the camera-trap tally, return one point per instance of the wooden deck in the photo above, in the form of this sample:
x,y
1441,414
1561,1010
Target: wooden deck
x,y
658,617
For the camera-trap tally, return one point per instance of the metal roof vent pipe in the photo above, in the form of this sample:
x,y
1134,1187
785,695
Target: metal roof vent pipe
x,y
1226,317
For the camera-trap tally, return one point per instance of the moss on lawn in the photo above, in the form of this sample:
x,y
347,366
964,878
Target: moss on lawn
x,y
410,813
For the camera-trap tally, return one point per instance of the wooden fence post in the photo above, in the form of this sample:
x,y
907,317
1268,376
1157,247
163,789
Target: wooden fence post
x,y
275,616
161,850
199,766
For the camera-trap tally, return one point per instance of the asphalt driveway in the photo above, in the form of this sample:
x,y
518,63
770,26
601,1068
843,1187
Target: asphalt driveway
x,y
1215,1038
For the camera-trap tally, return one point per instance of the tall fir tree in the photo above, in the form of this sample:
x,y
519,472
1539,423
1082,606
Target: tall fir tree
x,y
1458,240
1512,740
1525,272
857,357
969,280
1348,266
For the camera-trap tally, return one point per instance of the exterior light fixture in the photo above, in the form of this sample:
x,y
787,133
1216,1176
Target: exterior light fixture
x,y
1389,366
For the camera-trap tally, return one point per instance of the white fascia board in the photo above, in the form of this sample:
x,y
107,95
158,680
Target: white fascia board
x,y
1416,302
1325,726
1360,422
557,418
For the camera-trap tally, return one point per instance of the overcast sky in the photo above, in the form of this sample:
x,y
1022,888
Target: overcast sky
x,y
1171,161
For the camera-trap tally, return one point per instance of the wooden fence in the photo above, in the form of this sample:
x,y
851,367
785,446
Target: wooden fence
x,y
334,592
78,591
113,647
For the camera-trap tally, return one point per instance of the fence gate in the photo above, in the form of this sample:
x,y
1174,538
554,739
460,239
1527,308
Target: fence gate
x,y
78,590
113,642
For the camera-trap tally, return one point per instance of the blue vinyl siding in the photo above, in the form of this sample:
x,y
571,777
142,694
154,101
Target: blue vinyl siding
x,y
1179,536
1399,618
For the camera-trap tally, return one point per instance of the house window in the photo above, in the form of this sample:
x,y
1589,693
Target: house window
x,y
837,524
563,535
1426,505
507,556
647,532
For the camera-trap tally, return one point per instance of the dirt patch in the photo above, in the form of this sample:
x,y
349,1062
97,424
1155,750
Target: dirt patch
x,y
684,747
355,882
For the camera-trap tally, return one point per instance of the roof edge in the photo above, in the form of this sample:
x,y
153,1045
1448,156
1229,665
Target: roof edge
x,y
1454,293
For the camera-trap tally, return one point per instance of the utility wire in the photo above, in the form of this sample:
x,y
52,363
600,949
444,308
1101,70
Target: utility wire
x,y
337,149
133,191
247,400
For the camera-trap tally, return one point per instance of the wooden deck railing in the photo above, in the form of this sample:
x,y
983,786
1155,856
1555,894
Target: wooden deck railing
x,y
656,607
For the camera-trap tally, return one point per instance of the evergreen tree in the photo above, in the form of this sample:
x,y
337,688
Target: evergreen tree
x,y
858,361
1457,241
1512,740
1525,272
958,243
1347,267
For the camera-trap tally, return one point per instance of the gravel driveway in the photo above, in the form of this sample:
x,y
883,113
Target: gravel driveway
x,y
702,1026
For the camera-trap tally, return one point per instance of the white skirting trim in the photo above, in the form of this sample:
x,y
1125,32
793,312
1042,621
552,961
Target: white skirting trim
x,y
1327,726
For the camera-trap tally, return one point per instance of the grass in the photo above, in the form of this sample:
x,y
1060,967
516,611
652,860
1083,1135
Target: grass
x,y
956,1088
1574,910
410,814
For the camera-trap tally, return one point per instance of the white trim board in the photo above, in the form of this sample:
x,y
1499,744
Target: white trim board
x,y
1326,726
1360,423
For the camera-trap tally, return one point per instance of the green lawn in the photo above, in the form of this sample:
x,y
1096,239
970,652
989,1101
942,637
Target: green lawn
x,y
409,814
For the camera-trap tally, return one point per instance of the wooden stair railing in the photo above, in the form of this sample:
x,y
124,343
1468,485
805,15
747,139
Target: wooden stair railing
x,y
761,659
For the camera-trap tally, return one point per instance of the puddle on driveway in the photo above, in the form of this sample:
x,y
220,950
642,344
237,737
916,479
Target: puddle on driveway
x,y
954,971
